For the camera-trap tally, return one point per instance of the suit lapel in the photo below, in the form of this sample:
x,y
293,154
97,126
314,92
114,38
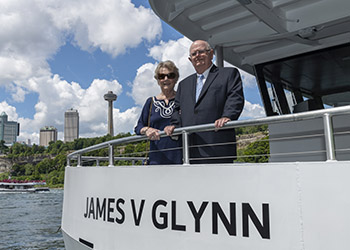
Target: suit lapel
x,y
193,88
211,76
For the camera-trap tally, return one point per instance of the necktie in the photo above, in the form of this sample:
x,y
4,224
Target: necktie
x,y
199,86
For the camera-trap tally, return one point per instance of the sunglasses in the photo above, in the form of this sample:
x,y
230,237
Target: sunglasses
x,y
170,76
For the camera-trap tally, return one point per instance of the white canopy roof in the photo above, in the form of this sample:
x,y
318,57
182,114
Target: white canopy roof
x,y
257,31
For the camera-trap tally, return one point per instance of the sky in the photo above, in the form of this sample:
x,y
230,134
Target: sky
x,y
61,54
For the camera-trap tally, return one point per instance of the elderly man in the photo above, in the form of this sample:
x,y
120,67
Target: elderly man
x,y
211,95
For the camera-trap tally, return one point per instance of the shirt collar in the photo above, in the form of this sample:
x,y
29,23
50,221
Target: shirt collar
x,y
206,73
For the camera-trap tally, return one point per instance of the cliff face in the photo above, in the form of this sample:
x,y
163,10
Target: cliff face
x,y
7,163
245,140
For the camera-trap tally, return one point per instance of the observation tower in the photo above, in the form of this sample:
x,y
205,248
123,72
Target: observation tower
x,y
110,97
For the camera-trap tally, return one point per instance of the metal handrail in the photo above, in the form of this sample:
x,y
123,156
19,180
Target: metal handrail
x,y
326,114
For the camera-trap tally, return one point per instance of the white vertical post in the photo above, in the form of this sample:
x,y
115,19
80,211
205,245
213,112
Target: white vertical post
x,y
329,137
111,155
79,160
185,148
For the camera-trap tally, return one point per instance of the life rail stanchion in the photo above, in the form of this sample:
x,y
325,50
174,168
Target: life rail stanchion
x,y
79,160
329,136
185,148
110,155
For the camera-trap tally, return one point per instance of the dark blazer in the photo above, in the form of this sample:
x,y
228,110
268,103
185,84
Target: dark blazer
x,y
221,96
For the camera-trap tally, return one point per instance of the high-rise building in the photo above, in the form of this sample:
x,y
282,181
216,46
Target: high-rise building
x,y
47,134
9,130
71,125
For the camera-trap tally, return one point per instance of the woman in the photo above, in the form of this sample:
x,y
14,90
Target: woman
x,y
156,114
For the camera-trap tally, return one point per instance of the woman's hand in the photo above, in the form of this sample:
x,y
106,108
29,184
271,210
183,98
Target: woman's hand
x,y
151,133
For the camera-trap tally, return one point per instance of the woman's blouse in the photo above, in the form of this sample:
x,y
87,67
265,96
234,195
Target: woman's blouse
x,y
166,150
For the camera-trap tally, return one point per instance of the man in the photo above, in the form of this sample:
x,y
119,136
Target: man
x,y
219,99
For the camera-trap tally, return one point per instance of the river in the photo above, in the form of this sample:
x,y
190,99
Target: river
x,y
31,221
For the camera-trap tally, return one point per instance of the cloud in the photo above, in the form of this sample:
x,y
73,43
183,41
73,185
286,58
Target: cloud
x,y
9,110
110,25
248,80
177,51
14,69
18,93
31,33
125,121
27,40
56,96
144,84
252,111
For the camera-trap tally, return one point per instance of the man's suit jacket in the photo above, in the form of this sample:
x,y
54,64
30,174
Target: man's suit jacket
x,y
221,96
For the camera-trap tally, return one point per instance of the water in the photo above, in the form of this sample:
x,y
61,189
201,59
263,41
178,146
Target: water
x,y
31,221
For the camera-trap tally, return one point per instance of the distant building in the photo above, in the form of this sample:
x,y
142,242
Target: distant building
x,y
47,134
9,130
71,125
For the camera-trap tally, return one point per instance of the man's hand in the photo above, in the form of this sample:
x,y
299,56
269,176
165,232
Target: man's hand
x,y
169,130
219,123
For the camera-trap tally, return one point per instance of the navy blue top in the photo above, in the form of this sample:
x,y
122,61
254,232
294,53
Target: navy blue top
x,y
160,118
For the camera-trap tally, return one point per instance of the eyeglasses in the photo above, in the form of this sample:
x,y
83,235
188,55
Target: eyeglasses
x,y
200,52
170,76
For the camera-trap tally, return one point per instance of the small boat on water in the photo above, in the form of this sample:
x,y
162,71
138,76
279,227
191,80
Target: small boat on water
x,y
299,52
14,186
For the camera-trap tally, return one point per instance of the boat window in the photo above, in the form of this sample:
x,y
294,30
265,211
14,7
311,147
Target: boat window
x,y
309,81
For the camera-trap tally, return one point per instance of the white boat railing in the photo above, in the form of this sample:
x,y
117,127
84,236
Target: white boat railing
x,y
328,134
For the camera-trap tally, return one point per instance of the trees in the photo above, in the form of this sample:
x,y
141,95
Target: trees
x,y
256,152
17,170
251,129
3,147
53,166
29,169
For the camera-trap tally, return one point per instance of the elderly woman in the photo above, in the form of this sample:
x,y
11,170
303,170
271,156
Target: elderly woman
x,y
156,114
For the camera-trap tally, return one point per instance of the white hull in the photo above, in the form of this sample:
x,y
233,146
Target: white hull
x,y
267,206
71,243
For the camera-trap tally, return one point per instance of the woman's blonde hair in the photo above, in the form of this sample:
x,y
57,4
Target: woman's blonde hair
x,y
170,65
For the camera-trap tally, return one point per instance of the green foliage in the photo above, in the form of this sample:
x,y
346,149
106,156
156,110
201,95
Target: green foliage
x,y
251,129
3,147
256,152
45,166
17,170
4,176
21,150
29,169
52,167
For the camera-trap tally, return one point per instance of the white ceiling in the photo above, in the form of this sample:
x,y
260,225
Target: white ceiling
x,y
257,31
